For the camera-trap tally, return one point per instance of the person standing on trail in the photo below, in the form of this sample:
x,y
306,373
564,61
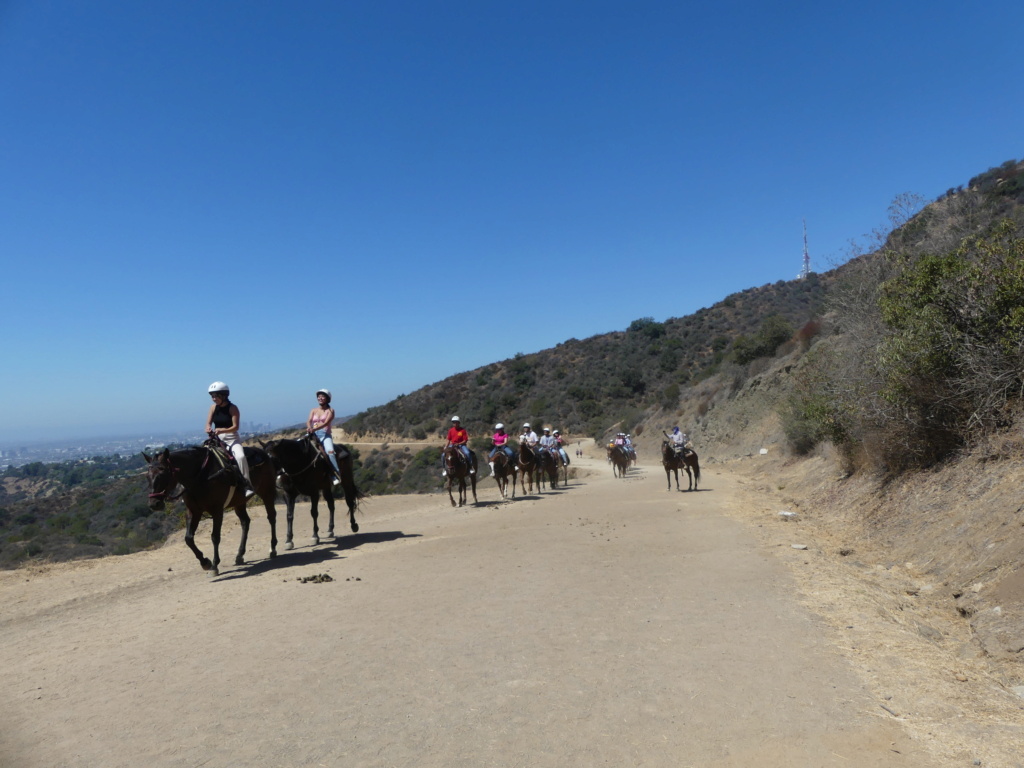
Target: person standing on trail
x,y
319,424
223,422
459,437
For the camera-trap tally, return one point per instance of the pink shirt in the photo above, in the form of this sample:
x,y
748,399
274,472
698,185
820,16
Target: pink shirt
x,y
500,438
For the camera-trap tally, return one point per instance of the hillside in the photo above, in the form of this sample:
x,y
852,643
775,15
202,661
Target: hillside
x,y
586,386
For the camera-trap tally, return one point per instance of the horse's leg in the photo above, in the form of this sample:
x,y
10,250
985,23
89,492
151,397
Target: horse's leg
x,y
272,520
449,486
289,501
314,500
192,518
218,519
472,481
329,498
244,519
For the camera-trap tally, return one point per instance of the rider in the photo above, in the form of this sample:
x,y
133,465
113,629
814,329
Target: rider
x,y
547,441
500,440
459,437
677,440
528,436
319,424
223,422
560,446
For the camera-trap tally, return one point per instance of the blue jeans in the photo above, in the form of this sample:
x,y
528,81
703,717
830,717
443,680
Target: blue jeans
x,y
328,445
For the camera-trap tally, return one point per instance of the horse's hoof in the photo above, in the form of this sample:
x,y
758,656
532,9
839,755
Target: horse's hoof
x,y
205,564
273,554
316,539
355,527
239,560
330,534
288,545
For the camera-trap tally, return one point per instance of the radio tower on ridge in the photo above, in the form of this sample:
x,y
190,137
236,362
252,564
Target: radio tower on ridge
x,y
806,270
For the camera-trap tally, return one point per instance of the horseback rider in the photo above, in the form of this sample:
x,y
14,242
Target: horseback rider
x,y
319,424
223,422
679,441
560,446
547,440
528,436
500,440
459,437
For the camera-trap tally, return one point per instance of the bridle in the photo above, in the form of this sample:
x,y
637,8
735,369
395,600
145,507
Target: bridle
x,y
308,440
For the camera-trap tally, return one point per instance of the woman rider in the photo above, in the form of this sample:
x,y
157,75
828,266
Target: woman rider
x,y
319,424
500,440
223,422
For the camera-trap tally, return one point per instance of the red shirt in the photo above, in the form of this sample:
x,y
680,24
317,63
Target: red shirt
x,y
458,436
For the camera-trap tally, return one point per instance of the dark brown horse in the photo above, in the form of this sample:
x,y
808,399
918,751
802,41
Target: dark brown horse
x,y
619,458
547,467
504,467
456,467
526,465
211,487
303,468
673,460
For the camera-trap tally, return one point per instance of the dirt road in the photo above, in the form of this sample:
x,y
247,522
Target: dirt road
x,y
610,623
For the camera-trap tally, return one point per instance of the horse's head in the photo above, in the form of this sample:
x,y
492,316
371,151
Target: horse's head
x,y
161,477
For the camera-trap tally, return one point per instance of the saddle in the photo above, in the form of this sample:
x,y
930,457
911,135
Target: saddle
x,y
228,467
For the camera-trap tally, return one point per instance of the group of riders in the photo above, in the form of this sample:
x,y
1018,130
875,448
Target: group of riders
x,y
551,441
224,419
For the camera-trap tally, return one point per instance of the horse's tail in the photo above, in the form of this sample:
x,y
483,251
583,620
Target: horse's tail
x,y
696,467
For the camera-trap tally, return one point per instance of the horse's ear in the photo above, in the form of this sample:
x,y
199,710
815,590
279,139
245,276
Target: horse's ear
x,y
147,457
166,455
262,444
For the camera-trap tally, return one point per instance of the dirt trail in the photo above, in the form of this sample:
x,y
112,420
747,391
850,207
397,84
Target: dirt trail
x,y
610,623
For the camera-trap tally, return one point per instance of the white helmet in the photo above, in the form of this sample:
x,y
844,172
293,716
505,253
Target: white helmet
x,y
547,429
526,425
219,386
325,391
556,432
456,418
499,425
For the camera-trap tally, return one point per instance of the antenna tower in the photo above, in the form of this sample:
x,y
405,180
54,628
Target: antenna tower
x,y
806,270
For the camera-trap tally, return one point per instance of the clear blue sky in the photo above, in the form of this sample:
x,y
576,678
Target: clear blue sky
x,y
371,196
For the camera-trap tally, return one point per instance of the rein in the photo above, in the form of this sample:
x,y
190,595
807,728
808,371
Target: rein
x,y
316,457
166,494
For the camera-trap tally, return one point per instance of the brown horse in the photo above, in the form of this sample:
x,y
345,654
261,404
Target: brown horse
x,y
303,468
456,467
210,487
685,459
619,458
526,464
547,467
503,468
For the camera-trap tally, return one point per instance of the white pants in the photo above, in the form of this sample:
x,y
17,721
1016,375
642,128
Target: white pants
x,y
230,439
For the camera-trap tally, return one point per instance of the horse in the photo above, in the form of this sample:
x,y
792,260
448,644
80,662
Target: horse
x,y
526,464
503,467
546,465
303,468
456,467
619,459
210,486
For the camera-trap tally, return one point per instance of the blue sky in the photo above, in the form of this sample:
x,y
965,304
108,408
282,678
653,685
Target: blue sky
x,y
374,196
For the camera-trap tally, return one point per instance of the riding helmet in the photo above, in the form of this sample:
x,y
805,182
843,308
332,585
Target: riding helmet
x,y
325,391
219,386
456,418
499,425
